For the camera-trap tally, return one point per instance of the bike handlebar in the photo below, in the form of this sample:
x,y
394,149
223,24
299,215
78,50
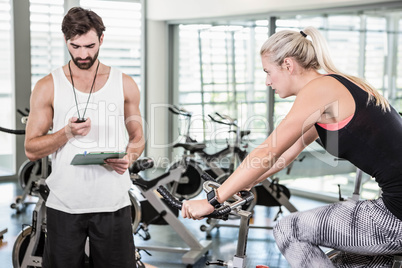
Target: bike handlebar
x,y
26,113
175,203
13,131
219,213
179,111
141,165
232,122
23,120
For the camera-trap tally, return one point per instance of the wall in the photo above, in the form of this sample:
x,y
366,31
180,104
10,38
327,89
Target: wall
x,y
156,92
192,9
22,71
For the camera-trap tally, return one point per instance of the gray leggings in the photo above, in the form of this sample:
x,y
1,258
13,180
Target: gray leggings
x,y
365,231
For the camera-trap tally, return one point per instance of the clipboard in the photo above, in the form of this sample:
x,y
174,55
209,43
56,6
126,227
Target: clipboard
x,y
95,158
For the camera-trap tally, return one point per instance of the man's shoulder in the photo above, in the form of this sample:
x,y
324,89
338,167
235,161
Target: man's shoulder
x,y
46,79
45,83
128,79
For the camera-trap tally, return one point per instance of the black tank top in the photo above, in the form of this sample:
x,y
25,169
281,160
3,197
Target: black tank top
x,y
372,142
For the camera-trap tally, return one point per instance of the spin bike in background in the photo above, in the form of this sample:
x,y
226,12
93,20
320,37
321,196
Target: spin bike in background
x,y
190,183
268,193
29,244
28,173
196,160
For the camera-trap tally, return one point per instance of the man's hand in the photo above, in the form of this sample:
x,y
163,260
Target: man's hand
x,y
118,165
81,129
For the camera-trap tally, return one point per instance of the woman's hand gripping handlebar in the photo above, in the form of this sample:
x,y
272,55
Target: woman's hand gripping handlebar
x,y
221,212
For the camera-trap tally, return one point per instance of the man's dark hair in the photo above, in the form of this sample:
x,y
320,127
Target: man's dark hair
x,y
79,21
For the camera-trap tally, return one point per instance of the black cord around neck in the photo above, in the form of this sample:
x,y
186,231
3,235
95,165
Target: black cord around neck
x,y
75,94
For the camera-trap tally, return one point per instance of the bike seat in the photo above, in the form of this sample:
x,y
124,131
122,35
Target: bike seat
x,y
192,147
244,133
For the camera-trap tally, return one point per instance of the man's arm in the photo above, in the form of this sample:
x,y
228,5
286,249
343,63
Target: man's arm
x,y
38,143
133,121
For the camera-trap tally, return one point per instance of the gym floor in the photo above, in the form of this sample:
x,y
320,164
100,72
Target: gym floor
x,y
261,247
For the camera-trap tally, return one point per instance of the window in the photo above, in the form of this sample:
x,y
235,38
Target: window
x,y
220,71
122,43
121,47
47,43
397,101
7,111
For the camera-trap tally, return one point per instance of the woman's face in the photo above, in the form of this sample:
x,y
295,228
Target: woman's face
x,y
277,77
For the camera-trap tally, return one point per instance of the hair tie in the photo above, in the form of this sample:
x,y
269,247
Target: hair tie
x,y
302,33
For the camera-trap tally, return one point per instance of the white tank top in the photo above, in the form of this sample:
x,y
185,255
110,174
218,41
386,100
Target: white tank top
x,y
89,188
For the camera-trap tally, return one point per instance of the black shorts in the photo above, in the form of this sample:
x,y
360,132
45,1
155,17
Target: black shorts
x,y
111,242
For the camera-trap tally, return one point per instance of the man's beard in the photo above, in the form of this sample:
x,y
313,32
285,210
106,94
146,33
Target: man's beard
x,y
85,65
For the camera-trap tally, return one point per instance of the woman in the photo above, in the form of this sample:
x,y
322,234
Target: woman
x,y
354,122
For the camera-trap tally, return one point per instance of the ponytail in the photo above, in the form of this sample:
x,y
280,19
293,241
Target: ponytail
x,y
314,55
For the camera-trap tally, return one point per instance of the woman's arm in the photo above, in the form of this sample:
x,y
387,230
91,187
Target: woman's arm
x,y
289,156
310,104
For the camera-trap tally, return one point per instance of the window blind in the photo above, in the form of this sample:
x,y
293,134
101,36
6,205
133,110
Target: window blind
x,y
122,43
7,109
220,72
121,46
47,43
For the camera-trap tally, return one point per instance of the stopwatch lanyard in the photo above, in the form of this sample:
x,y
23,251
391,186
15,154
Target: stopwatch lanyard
x,y
75,94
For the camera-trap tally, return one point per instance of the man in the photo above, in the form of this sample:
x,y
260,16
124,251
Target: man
x,y
90,107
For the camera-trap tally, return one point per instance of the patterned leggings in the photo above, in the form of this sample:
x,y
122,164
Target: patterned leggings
x,y
365,231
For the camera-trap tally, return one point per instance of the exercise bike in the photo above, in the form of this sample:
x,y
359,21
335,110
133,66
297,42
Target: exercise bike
x,y
29,244
28,173
240,257
195,160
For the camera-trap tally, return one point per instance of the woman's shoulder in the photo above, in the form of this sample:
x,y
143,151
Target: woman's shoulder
x,y
322,85
323,92
325,80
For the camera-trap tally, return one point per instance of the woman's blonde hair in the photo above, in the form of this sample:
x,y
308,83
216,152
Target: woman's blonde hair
x,y
312,54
